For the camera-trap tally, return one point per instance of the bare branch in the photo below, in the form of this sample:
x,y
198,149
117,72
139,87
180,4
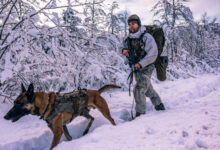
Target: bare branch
x,y
63,31
6,97
23,19
4,6
6,19
66,6
6,47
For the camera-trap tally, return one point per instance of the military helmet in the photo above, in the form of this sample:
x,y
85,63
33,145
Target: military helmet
x,y
134,18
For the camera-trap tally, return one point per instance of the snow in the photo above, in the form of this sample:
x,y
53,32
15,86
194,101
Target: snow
x,y
190,122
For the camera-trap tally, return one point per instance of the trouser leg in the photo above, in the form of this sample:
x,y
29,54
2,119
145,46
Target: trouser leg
x,y
144,88
153,95
143,82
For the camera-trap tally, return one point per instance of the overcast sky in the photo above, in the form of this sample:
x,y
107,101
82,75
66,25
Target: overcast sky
x,y
143,7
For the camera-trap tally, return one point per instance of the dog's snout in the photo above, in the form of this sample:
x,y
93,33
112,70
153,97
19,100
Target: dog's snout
x,y
6,117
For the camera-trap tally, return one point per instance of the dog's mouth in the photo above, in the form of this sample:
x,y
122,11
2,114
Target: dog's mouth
x,y
15,115
14,119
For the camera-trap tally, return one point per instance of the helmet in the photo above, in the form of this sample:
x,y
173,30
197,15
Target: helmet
x,y
134,18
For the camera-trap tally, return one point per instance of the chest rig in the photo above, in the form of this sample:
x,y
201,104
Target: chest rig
x,y
136,45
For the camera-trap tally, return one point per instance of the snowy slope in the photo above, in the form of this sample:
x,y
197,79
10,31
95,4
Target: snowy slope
x,y
190,122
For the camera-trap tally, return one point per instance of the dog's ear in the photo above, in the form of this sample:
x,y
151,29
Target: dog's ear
x,y
30,92
22,88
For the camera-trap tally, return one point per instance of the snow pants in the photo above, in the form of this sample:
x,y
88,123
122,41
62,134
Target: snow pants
x,y
144,88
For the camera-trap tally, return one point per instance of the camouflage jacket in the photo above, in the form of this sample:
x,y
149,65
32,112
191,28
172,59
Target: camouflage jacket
x,y
150,46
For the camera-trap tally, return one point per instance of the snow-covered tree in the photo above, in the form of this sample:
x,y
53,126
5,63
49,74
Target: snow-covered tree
x,y
113,21
71,19
172,12
95,15
123,16
50,56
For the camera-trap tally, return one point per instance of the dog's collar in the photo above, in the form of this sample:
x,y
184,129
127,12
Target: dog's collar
x,y
46,108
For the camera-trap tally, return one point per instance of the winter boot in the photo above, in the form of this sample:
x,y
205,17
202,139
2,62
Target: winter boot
x,y
160,107
138,114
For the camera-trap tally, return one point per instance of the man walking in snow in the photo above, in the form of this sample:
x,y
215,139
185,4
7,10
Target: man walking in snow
x,y
146,55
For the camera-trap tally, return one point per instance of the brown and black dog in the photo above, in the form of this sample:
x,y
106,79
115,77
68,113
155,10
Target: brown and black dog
x,y
38,103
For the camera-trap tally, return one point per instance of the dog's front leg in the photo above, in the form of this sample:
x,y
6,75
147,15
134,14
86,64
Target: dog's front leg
x,y
57,129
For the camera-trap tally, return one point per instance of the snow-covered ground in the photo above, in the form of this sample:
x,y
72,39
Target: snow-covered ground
x,y
191,121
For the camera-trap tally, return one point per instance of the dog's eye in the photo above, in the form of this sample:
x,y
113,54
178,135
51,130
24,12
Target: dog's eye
x,y
27,106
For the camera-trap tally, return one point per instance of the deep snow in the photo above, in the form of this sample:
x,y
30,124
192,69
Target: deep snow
x,y
191,121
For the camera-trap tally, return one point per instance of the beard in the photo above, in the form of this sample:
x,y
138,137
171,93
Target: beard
x,y
133,30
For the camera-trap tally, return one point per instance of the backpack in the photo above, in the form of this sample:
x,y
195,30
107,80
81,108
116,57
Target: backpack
x,y
161,62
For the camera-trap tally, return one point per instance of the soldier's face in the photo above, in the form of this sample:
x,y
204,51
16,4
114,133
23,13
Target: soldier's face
x,y
133,27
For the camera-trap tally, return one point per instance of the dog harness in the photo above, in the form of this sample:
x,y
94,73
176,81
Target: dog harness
x,y
74,102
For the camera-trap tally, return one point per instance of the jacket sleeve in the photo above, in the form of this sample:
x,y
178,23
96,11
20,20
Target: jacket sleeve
x,y
151,50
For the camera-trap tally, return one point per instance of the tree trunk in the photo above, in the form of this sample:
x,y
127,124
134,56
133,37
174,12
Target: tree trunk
x,y
174,14
112,21
173,25
126,29
93,18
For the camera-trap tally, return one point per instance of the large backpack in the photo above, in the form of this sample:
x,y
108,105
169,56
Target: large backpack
x,y
161,61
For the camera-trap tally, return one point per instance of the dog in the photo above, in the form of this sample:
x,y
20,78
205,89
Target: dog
x,y
42,104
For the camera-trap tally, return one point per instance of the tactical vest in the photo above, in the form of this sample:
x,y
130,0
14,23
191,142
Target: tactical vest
x,y
74,102
137,46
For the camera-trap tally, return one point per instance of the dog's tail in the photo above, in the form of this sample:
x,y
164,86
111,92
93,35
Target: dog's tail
x,y
106,87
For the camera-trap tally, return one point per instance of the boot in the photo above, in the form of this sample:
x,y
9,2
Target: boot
x,y
138,114
160,107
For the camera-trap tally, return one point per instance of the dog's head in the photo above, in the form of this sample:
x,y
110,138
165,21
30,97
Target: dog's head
x,y
22,105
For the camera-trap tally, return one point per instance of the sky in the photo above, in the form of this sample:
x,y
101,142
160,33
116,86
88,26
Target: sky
x,y
142,8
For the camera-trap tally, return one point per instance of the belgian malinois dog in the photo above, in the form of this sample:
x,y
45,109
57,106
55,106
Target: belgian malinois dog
x,y
41,104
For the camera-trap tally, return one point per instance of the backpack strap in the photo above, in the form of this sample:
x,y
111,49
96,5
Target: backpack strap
x,y
142,43
142,35
149,29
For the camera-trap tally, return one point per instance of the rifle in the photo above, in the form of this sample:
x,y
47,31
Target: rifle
x,y
132,58
132,61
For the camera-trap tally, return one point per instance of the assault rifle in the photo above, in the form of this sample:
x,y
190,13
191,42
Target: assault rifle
x,y
132,61
132,58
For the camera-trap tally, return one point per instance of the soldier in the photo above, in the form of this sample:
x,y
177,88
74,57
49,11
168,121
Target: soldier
x,y
146,54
